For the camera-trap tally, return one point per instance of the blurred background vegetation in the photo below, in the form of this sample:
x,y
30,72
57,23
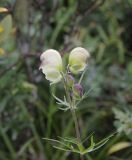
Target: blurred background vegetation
x,y
28,111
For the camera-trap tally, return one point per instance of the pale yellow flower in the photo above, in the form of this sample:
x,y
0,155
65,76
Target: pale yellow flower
x,y
51,65
78,59
3,9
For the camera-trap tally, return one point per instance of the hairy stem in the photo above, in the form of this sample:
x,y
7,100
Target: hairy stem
x,y
72,108
76,128
76,124
73,112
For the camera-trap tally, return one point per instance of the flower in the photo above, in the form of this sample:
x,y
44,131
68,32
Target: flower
x,y
51,65
78,59
3,9
77,91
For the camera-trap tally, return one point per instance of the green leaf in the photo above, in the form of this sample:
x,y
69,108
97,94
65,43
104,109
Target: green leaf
x,y
103,142
70,140
75,142
62,149
87,137
25,146
54,140
90,149
5,28
85,95
101,145
65,104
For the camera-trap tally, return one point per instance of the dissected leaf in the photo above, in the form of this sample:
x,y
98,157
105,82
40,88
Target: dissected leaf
x,y
70,140
90,149
63,103
62,148
54,140
68,143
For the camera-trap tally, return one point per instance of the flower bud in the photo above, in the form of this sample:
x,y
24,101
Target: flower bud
x,y
78,59
70,80
51,65
77,91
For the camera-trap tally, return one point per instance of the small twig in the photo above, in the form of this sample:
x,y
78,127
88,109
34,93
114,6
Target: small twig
x,y
8,68
93,6
77,18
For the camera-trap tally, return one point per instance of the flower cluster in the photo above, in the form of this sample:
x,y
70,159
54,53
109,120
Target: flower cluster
x,y
52,66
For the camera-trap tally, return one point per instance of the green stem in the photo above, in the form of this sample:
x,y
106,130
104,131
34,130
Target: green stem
x,y
72,108
80,80
76,128
88,157
76,124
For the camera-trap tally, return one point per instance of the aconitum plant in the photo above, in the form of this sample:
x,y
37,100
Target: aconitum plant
x,y
52,67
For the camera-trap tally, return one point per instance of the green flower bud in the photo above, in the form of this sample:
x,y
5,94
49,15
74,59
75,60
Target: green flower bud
x,y
70,80
77,91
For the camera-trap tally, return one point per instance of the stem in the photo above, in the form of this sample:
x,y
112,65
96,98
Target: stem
x,y
80,80
76,128
76,124
72,108
88,157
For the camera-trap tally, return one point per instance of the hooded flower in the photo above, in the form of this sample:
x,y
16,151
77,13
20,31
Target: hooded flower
x,y
51,65
78,59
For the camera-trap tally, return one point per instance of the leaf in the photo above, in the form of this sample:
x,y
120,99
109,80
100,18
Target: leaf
x,y
90,149
75,142
87,137
105,139
54,140
4,103
70,140
85,95
119,146
60,102
72,150
102,144
25,146
61,148
5,28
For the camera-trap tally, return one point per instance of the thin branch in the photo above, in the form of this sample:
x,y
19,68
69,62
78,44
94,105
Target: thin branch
x,y
93,6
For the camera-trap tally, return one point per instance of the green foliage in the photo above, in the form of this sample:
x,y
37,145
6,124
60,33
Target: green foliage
x,y
124,121
73,145
5,28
